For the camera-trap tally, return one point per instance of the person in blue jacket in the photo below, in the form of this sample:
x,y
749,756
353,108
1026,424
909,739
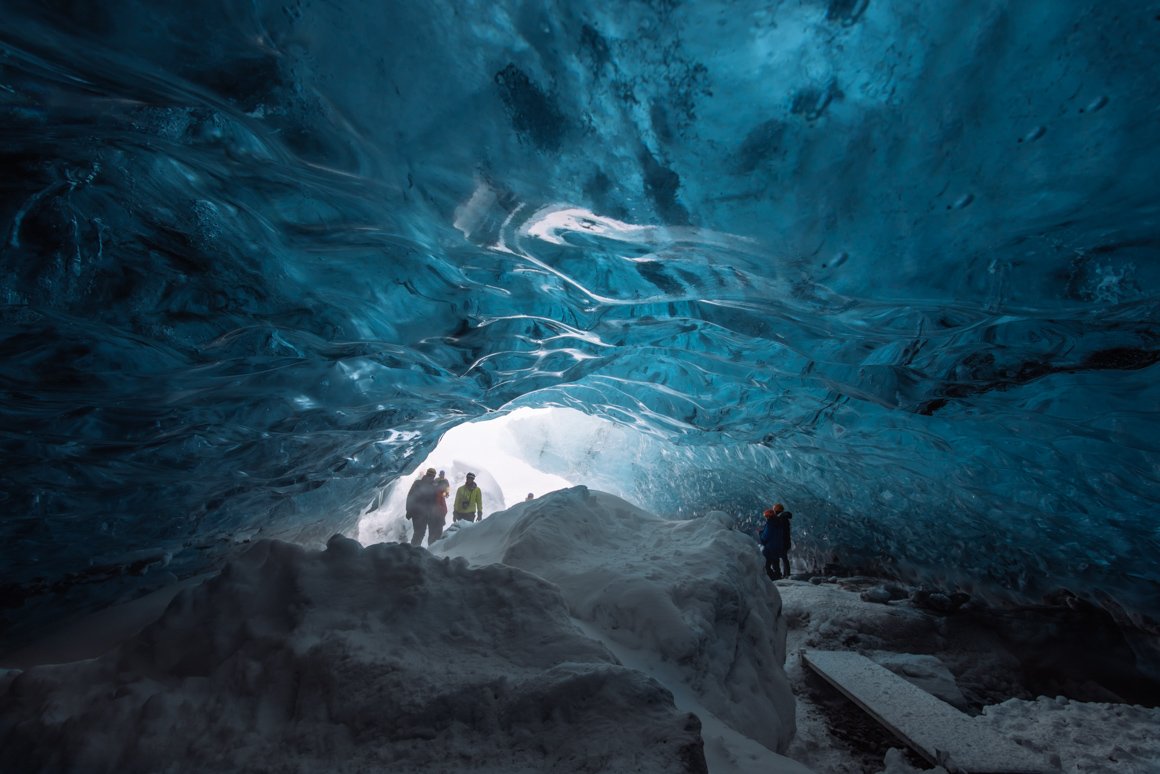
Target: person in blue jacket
x,y
783,518
772,541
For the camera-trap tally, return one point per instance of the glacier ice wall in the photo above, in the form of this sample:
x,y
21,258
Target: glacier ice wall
x,y
893,263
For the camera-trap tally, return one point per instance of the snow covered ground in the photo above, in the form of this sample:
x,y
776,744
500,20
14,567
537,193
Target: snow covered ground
x,y
835,737
571,633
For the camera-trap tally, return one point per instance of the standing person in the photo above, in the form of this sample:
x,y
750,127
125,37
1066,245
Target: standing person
x,y
529,497
421,509
468,501
443,488
771,543
784,517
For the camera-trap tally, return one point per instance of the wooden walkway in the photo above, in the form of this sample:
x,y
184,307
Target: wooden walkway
x,y
928,725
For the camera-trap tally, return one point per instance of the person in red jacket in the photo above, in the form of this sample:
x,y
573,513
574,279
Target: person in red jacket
x,y
442,489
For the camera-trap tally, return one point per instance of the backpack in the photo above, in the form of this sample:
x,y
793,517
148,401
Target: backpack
x,y
419,497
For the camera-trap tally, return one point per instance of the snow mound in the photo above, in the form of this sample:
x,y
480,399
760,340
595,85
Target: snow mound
x,y
689,592
351,659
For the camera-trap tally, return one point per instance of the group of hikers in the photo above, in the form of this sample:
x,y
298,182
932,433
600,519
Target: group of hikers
x,y
775,542
427,512
427,504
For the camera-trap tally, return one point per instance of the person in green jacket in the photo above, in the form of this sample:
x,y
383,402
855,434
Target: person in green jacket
x,y
468,501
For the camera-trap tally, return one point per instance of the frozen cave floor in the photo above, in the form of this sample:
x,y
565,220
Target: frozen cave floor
x,y
1037,676
1008,667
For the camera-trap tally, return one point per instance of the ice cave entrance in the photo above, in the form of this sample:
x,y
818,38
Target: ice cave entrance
x,y
510,456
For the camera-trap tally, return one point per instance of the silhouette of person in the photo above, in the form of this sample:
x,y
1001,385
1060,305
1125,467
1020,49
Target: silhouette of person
x,y
422,509
529,497
783,517
468,501
442,489
771,538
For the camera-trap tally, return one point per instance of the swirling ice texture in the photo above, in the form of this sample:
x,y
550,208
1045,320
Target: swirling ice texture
x,y
893,263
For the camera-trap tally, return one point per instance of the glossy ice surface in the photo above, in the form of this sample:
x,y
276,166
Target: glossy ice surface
x,y
892,263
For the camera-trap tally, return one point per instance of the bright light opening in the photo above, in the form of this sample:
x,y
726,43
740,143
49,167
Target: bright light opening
x,y
501,453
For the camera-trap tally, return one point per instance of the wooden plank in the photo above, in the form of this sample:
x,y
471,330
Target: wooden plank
x,y
928,725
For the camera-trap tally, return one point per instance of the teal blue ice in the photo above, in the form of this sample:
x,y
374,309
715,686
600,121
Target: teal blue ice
x,y
894,263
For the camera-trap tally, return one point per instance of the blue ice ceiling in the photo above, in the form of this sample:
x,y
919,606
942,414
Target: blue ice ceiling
x,y
893,263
